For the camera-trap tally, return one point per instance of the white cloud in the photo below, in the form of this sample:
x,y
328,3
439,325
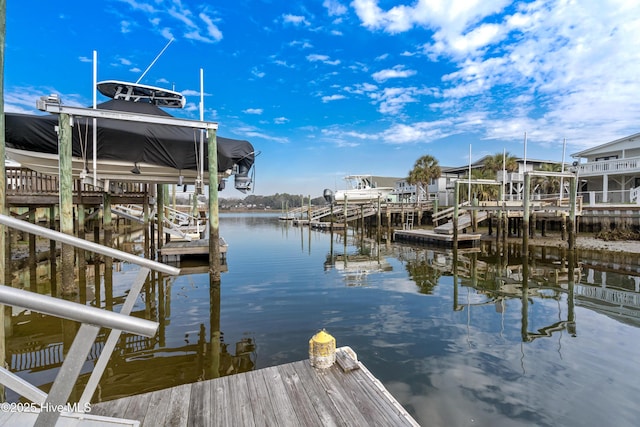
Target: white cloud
x,y
453,15
212,29
554,68
142,6
330,98
393,100
396,72
304,44
421,132
176,16
125,27
334,7
361,88
167,34
295,20
322,58
256,111
257,73
280,120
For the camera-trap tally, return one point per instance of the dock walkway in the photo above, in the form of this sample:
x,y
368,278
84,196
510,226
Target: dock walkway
x,y
294,394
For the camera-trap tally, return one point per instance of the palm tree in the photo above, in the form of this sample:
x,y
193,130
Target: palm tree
x,y
547,184
482,191
495,163
424,170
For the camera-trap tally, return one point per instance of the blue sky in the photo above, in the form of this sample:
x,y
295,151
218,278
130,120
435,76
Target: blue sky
x,y
327,88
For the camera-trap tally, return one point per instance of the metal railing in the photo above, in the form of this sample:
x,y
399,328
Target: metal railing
x,y
92,320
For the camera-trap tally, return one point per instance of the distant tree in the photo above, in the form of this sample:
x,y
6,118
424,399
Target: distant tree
x,y
547,184
424,170
494,163
482,191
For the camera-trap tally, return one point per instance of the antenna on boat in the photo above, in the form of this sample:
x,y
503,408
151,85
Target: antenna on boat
x,y
154,61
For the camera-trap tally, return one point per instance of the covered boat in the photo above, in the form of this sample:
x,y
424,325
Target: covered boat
x,y
126,151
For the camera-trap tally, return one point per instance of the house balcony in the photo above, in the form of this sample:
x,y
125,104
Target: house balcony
x,y
628,166
508,177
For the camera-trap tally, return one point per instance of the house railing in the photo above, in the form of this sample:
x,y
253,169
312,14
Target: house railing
x,y
592,198
605,167
92,320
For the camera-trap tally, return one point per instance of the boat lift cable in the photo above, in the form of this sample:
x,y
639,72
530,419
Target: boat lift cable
x,y
154,61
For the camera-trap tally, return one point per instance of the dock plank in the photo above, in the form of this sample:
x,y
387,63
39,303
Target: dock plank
x,y
221,407
200,405
238,393
283,407
294,394
179,408
263,411
158,409
309,393
341,400
138,407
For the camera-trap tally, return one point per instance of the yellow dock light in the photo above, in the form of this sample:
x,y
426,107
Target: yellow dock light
x,y
322,350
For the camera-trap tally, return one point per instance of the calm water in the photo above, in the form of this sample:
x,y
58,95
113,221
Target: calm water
x,y
448,334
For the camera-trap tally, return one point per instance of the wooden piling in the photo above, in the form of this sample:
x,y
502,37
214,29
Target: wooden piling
x,y
68,286
160,214
456,196
572,212
214,222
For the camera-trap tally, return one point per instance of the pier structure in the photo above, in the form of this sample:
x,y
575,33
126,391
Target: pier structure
x,y
291,394
519,216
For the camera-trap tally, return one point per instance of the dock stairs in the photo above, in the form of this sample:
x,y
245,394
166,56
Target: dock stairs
x,y
464,219
175,223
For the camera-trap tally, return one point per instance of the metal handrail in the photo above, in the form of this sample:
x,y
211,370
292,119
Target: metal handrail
x,y
78,312
92,320
87,245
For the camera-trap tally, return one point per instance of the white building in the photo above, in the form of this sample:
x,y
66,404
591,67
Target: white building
x,y
610,172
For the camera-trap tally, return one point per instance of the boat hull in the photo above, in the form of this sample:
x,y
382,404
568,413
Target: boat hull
x,y
363,196
112,170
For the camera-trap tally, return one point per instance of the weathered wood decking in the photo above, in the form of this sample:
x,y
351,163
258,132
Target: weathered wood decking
x,y
294,394
174,250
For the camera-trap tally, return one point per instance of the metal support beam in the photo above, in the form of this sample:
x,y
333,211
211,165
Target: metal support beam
x,y
87,245
114,336
77,312
53,105
67,375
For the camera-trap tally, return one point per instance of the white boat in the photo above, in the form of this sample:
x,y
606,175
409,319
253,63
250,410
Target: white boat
x,y
360,189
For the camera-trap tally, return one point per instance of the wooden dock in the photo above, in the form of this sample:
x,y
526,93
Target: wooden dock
x,y
173,251
294,394
429,236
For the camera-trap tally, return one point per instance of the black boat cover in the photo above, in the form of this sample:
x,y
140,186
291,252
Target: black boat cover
x,y
135,142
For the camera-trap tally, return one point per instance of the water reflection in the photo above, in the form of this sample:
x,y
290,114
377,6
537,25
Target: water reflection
x,y
492,336
368,257
184,350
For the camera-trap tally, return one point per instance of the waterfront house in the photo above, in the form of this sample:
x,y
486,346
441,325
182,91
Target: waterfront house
x,y
443,188
610,172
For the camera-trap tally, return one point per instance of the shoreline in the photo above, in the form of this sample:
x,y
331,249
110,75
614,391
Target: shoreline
x,y
583,242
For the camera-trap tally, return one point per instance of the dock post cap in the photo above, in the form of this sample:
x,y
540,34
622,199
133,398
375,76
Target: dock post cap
x,y
322,350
